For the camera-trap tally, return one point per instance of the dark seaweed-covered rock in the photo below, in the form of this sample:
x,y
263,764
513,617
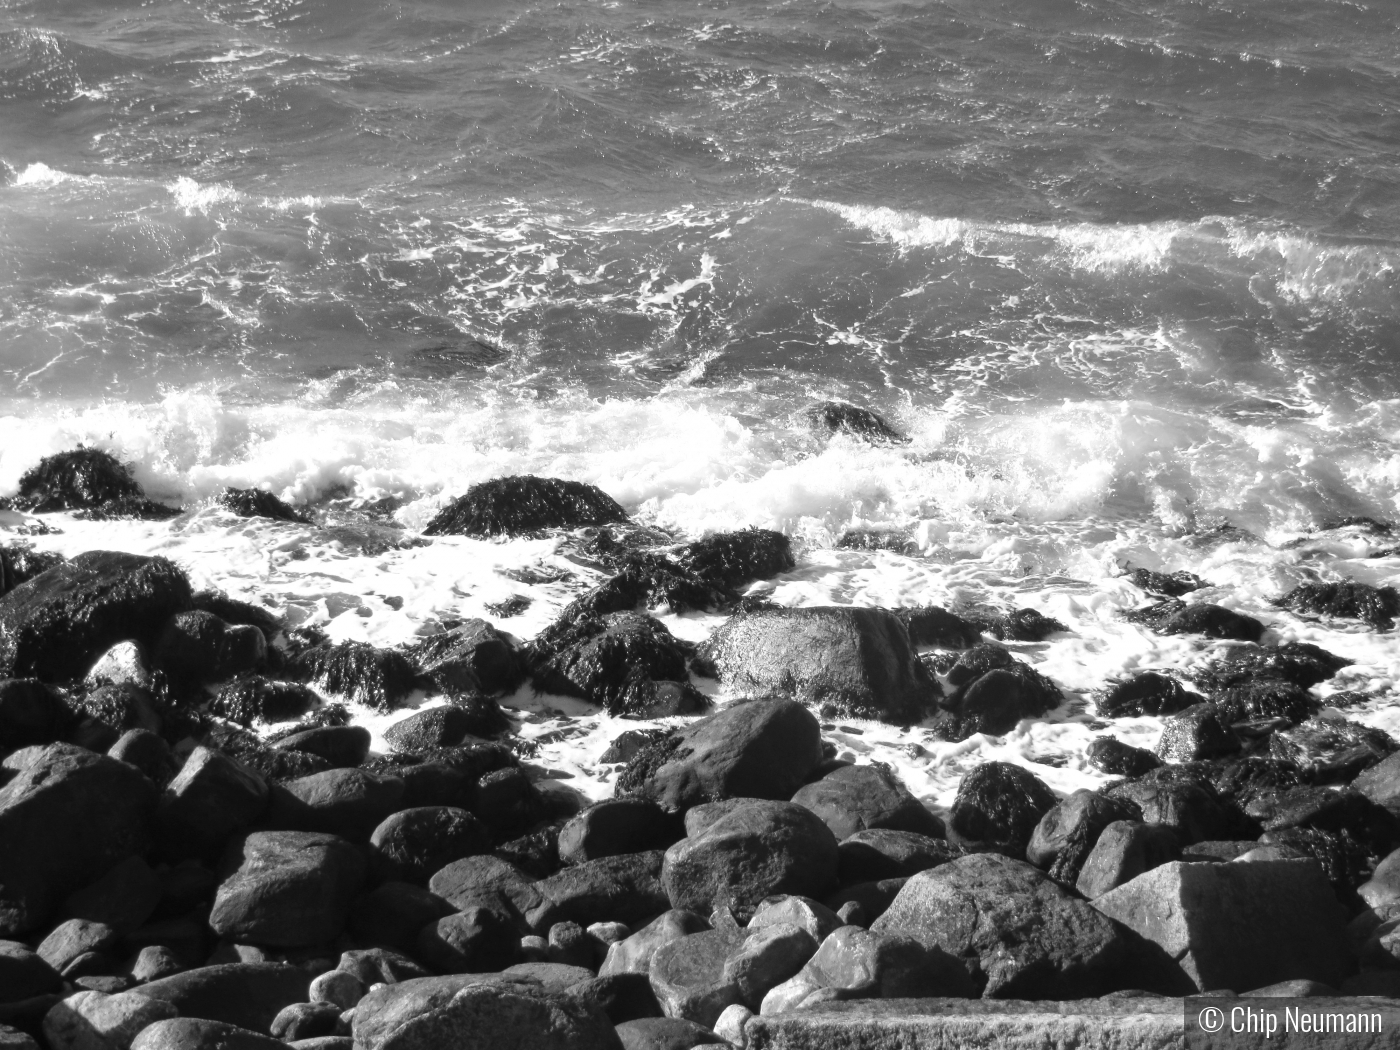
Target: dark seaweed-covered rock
x,y
255,503
852,662
839,417
86,479
1243,779
196,648
414,844
993,692
877,540
931,625
1302,664
730,560
1212,621
1118,759
521,504
1349,600
1184,799
1325,809
23,562
344,747
437,727
1000,804
378,678
762,749
1167,584
1332,751
1346,862
471,657
1200,731
508,803
1021,625
1148,693
108,711
625,745
30,713
1067,834
1253,698
258,699
611,660
851,799
55,626
233,611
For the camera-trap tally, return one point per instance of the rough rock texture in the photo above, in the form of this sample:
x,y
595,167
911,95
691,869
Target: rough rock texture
x,y
512,506
1066,835
1200,731
1264,698
1330,751
1167,584
467,880
86,479
750,850
1377,606
1124,850
472,657
1030,938
869,856
287,889
852,662
258,699
857,798
255,503
840,417
633,954
413,844
1148,693
759,749
344,747
350,803
992,692
1185,801
249,995
615,826
196,647
480,938
625,888
768,956
932,625
378,678
663,1033
56,625
446,726
210,798
1302,664
1238,925
689,976
104,808
93,1021
1203,618
1000,804
1118,759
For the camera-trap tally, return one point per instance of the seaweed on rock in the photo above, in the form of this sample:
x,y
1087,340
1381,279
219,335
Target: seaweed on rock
x,y
378,678
840,417
255,503
1377,606
88,480
513,506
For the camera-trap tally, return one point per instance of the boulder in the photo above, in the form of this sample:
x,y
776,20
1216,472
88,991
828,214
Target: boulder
x,y
197,647
123,898
663,1033
61,621
1381,783
768,956
1212,621
1030,938
249,995
305,1021
839,417
1020,625
88,479
754,849
379,966
123,664
1273,698
633,954
344,747
337,988
93,1021
1332,751
105,809
552,976
851,662
24,974
728,560
624,888
1124,850
851,799
689,978
513,506
1188,804
258,699
212,797
803,912
1198,732
154,962
255,503
472,657
349,803
1346,599
73,938
1238,925
930,625
614,826
570,944
1067,833
869,856
507,802
1000,804
1110,755
188,1033
756,749
1167,584
381,679
622,996
471,878
287,889
392,914
1148,693
1298,662
31,713
148,752
423,731
992,692
482,937
414,844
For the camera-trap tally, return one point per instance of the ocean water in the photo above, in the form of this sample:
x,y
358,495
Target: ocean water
x,y
1124,270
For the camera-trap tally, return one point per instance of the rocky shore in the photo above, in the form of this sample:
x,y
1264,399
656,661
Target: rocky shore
x,y
177,873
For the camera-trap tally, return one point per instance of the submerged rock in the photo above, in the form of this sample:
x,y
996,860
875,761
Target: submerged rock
x,y
1148,693
1021,625
839,417
255,503
1349,600
1203,618
1167,584
853,662
513,506
378,678
86,479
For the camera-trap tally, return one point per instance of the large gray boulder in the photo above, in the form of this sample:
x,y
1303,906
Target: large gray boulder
x,y
1028,936
210,798
751,850
65,818
625,888
634,954
853,662
189,1033
753,749
248,995
689,976
94,1021
1238,925
852,799
287,889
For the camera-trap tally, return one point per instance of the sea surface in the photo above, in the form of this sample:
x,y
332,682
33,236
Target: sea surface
x,y
1125,271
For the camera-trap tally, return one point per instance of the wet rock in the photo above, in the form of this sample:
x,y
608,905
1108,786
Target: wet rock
x,y
392,914
1345,862
196,647
344,747
31,714
760,749
1238,925
24,973
689,979
257,699
1117,759
1000,804
626,745
437,727
608,660
350,803
1124,850
852,662
1021,625
993,701
839,417
869,856
472,657
57,624
1200,731
536,854
857,798
1244,779
1264,698
287,889
616,826
1203,618
728,560
513,506
1302,664
248,995
626,888
1381,783
931,625
754,849
378,678
663,1033
239,613
1328,810
86,479
1167,584
255,503
123,664
1067,833
105,809
108,711
211,798
1348,600
1030,938
414,844
1187,802
1148,693
1332,751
